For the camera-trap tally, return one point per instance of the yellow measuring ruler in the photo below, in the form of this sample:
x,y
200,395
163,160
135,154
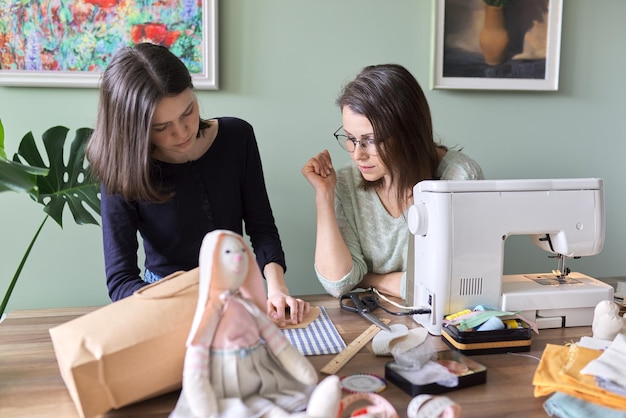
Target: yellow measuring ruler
x,y
351,349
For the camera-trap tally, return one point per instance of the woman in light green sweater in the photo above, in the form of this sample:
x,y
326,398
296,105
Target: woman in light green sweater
x,y
362,234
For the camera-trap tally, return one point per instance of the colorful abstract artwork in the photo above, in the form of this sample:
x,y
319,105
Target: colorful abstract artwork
x,y
69,42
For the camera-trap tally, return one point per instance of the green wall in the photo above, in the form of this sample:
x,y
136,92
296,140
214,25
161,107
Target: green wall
x,y
282,63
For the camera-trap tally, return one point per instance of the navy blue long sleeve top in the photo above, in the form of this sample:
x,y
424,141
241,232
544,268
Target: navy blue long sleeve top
x,y
223,189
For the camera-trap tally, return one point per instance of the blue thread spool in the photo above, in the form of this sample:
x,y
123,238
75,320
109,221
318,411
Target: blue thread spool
x,y
492,324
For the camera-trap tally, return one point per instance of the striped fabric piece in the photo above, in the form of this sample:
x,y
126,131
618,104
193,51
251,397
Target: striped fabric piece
x,y
320,337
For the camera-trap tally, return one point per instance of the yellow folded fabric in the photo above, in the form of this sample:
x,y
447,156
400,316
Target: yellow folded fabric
x,y
559,371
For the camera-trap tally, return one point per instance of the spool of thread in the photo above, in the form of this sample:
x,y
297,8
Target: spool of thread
x,y
456,315
511,324
492,324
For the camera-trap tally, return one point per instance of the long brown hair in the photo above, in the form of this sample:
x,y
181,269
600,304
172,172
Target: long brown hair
x,y
119,150
392,100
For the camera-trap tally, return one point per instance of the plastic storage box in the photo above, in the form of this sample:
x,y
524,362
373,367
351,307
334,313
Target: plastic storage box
x,y
470,373
488,342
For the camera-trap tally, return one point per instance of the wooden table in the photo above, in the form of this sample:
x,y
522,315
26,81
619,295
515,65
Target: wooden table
x,y
31,386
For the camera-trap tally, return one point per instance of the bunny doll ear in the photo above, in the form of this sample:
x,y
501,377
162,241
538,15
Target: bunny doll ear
x,y
206,262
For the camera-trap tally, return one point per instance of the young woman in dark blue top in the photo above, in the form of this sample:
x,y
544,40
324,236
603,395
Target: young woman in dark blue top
x,y
172,177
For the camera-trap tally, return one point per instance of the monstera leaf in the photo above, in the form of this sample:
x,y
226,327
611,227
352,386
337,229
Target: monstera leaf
x,y
17,177
52,186
63,184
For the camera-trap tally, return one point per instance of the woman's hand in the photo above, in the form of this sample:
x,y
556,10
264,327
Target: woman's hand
x,y
278,299
278,303
320,173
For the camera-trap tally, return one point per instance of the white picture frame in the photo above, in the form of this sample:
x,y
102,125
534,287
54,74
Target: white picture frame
x,y
458,60
203,65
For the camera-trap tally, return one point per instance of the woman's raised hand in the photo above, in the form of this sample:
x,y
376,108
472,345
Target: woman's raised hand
x,y
320,173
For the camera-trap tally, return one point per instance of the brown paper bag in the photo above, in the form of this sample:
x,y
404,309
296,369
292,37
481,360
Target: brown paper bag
x,y
130,350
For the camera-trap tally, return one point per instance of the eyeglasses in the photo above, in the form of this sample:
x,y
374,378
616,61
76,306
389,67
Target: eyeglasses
x,y
369,145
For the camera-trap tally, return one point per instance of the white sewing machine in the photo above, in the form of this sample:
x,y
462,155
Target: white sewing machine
x,y
456,248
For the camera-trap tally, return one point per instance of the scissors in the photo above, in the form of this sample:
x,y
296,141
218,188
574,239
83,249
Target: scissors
x,y
363,307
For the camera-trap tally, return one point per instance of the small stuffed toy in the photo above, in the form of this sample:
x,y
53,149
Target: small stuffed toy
x,y
238,363
606,321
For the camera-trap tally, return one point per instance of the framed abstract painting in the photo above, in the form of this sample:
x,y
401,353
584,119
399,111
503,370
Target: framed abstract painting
x,y
497,44
68,43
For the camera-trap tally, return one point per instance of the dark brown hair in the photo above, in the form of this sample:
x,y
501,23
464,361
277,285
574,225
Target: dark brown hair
x,y
119,150
392,100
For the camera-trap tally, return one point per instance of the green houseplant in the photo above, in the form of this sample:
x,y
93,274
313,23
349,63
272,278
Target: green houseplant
x,y
52,186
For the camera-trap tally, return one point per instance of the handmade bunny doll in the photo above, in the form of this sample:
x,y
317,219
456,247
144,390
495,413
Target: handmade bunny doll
x,y
238,363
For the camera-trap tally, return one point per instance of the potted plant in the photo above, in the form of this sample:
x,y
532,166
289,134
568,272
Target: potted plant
x,y
51,186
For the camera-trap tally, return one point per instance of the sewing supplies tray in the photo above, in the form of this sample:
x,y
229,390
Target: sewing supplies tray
x,y
488,342
470,373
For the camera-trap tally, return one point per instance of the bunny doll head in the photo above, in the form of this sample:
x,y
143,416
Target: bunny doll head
x,y
227,265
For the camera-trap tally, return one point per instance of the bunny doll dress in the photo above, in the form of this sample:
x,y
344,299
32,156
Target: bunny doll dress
x,y
246,377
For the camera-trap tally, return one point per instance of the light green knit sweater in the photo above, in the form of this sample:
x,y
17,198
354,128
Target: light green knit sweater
x,y
377,241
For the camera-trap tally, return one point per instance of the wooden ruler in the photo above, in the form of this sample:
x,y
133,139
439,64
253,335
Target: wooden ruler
x,y
351,349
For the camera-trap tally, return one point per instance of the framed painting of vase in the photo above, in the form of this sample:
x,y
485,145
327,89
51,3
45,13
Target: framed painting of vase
x,y
497,44
68,43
